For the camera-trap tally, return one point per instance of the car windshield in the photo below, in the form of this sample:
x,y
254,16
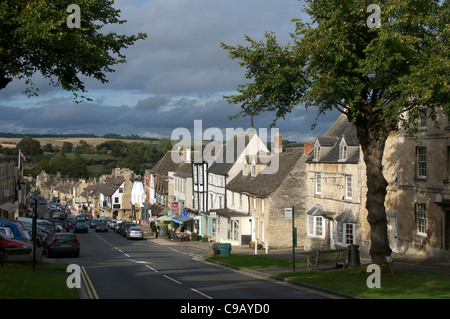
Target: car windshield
x,y
66,238
135,228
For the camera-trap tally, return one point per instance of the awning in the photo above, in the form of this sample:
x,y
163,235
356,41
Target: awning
x,y
163,218
180,219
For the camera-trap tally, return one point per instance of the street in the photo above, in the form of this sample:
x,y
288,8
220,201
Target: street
x,y
139,269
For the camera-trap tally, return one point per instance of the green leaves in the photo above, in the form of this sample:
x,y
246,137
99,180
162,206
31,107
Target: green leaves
x,y
34,37
337,61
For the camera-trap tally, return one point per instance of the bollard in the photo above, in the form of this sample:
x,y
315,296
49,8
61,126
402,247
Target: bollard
x,y
353,256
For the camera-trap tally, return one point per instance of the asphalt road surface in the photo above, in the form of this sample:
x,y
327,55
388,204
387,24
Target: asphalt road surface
x,y
138,269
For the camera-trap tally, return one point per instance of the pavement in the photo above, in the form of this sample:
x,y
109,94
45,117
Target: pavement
x,y
440,268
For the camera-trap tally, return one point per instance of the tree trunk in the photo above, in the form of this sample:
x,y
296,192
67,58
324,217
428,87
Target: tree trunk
x,y
372,139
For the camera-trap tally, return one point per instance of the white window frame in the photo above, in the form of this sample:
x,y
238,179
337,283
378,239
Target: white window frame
x,y
245,169
318,184
345,233
348,187
421,162
253,173
421,218
317,152
316,226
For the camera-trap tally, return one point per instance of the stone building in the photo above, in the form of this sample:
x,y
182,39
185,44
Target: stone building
x,y
418,199
265,194
335,191
8,177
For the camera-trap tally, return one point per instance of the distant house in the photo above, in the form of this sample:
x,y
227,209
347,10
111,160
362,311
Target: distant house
x,y
138,199
226,166
8,209
115,194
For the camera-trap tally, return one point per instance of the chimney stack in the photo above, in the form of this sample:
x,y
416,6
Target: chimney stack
x,y
307,147
278,143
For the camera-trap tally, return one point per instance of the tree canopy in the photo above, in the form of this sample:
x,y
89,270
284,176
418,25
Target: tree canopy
x,y
35,36
381,77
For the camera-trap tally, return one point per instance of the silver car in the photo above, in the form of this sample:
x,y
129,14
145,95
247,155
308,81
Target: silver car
x,y
135,232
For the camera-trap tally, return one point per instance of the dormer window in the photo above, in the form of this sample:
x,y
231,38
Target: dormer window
x,y
316,152
343,150
245,169
253,170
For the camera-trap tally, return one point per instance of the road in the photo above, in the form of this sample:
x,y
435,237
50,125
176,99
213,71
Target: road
x,y
138,269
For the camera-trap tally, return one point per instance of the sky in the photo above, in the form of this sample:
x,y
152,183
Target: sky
x,y
177,75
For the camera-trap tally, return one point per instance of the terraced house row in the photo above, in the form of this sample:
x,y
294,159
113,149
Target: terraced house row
x,y
244,199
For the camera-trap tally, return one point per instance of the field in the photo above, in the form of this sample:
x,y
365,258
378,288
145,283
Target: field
x,y
94,141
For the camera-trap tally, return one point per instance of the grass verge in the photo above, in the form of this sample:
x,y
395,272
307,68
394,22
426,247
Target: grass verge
x,y
48,281
352,281
401,285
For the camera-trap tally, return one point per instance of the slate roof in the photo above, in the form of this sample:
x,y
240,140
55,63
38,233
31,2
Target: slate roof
x,y
165,164
231,150
111,185
265,184
330,142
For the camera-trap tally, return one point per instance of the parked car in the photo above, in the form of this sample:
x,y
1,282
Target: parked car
x,y
112,223
135,232
63,243
70,223
94,223
116,225
124,227
101,227
81,227
6,242
16,229
6,231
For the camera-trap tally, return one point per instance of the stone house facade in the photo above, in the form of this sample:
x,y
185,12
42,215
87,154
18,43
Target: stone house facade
x,y
335,214
265,194
418,198
8,177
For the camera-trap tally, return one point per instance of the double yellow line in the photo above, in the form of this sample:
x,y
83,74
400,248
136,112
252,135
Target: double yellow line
x,y
89,287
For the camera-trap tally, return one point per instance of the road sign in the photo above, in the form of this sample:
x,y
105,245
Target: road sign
x,y
288,213
185,212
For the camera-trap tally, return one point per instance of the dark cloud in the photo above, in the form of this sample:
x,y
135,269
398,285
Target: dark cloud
x,y
175,76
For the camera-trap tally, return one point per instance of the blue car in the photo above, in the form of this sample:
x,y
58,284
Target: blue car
x,y
81,227
80,218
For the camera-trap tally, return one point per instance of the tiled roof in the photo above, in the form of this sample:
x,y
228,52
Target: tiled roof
x,y
265,184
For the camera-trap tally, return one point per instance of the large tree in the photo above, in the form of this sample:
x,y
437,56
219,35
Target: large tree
x,y
44,36
380,77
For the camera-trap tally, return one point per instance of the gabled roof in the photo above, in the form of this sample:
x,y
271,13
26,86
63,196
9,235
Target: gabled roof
x,y
165,164
229,153
265,184
111,185
341,130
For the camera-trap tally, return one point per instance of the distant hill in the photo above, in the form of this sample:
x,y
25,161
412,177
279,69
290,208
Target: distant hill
x,y
11,139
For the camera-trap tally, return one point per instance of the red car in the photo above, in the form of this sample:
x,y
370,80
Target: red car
x,y
6,242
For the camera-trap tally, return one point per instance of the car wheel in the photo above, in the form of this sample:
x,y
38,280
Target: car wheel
x,y
77,254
